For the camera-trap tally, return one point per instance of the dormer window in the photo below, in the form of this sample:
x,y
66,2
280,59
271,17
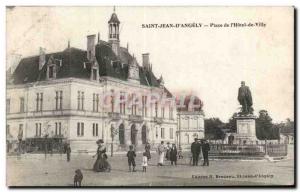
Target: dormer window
x,y
51,73
94,74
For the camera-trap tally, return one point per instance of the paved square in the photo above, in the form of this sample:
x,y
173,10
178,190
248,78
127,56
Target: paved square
x,y
35,170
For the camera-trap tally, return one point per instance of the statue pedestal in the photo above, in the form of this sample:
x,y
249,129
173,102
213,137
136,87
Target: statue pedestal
x,y
246,131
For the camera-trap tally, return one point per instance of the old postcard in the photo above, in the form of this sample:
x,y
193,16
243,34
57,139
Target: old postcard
x,y
150,96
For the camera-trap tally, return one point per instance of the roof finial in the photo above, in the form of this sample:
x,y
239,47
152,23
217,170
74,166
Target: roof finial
x,y
127,46
98,37
114,9
68,43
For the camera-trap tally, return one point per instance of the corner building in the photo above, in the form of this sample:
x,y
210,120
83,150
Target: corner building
x,y
76,96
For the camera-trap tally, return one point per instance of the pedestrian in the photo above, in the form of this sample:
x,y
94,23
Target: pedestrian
x,y
195,149
147,150
101,164
131,158
161,153
205,150
68,151
173,154
145,162
168,148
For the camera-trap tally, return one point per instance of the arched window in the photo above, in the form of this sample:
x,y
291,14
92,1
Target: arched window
x,y
122,134
144,134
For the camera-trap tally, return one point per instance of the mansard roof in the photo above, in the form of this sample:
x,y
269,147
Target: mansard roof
x,y
74,63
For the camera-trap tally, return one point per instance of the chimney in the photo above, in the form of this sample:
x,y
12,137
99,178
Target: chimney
x,y
146,63
13,61
91,47
42,58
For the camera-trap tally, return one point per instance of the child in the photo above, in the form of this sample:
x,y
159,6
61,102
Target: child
x,y
131,156
180,156
145,161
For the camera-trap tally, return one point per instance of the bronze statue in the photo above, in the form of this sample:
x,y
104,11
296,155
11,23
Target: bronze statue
x,y
245,99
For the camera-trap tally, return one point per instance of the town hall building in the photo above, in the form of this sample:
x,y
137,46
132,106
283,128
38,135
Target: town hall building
x,y
80,96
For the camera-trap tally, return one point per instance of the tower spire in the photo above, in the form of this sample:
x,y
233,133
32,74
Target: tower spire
x,y
68,43
114,9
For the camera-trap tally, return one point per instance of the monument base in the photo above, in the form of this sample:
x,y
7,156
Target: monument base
x,y
246,131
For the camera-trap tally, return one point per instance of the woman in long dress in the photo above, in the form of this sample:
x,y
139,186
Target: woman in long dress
x,y
101,163
161,154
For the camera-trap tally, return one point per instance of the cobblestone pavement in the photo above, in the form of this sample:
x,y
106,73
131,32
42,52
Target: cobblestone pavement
x,y
35,170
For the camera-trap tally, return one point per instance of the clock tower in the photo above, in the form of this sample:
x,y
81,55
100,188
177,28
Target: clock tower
x,y
133,71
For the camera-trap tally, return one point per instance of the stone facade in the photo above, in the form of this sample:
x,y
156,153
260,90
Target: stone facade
x,y
78,99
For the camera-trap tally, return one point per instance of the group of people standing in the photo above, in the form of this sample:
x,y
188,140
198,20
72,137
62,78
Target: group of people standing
x,y
168,152
196,148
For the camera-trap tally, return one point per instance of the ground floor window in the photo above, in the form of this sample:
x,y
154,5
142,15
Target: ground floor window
x,y
80,129
38,129
171,133
95,129
162,133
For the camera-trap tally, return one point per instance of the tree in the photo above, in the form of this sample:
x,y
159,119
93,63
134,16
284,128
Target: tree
x,y
231,125
265,129
213,128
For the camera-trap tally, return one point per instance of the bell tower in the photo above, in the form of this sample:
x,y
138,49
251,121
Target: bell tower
x,y
113,34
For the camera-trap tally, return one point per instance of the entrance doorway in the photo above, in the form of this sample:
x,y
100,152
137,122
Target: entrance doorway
x,y
144,134
133,134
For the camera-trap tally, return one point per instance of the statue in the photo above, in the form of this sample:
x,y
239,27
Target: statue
x,y
245,99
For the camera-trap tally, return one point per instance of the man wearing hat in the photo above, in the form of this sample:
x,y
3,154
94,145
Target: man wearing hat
x,y
195,149
205,150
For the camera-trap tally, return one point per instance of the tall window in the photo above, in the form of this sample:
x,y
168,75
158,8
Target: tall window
x,y
156,109
7,105
134,104
162,133
80,100
58,99
80,129
95,102
144,106
163,112
171,133
122,103
112,103
95,129
7,130
58,129
22,104
38,129
39,101
171,113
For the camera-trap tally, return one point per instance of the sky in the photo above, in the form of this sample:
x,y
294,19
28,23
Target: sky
x,y
209,62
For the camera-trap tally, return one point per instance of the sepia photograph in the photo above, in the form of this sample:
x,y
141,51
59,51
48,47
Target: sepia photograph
x,y
150,96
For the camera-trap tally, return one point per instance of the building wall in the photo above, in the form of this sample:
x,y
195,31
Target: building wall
x,y
190,126
69,116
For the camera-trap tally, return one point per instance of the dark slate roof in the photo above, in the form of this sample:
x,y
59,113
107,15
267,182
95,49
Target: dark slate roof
x,y
73,60
114,19
72,66
197,102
